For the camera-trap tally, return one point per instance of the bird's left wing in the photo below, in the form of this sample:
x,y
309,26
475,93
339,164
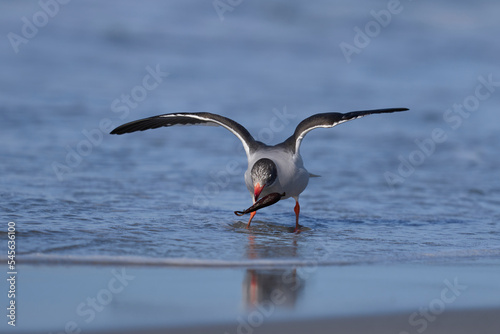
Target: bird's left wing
x,y
202,118
328,120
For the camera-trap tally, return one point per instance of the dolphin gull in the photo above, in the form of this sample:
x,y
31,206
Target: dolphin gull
x,y
271,169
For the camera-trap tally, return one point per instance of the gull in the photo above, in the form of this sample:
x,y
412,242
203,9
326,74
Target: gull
x,y
271,169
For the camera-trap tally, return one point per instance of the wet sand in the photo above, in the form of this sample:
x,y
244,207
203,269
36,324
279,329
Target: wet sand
x,y
404,298
456,322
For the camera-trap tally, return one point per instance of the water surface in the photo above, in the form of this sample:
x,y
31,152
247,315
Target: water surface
x,y
169,193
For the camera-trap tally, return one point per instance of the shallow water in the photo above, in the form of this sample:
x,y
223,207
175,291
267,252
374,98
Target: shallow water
x,y
170,193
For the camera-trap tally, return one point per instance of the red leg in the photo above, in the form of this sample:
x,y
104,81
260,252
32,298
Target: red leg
x,y
297,211
251,217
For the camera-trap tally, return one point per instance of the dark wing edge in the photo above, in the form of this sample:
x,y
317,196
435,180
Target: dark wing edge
x,y
328,120
202,118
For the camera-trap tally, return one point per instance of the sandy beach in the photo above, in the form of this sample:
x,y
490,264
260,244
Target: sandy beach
x,y
456,322
375,298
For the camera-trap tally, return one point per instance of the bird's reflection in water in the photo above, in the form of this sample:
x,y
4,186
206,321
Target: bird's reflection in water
x,y
277,287
281,287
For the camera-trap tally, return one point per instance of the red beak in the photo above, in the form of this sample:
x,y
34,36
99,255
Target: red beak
x,y
257,190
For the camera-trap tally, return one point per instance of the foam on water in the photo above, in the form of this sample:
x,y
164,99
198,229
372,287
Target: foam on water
x,y
446,256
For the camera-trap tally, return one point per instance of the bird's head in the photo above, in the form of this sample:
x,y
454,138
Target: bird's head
x,y
264,173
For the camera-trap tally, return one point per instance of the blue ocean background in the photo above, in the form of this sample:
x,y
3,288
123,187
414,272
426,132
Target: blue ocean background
x,y
418,186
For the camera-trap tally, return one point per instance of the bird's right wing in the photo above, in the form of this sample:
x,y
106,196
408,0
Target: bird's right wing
x,y
184,118
328,120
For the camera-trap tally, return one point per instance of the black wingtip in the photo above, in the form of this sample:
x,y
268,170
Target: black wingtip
x,y
396,109
139,125
389,110
117,131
